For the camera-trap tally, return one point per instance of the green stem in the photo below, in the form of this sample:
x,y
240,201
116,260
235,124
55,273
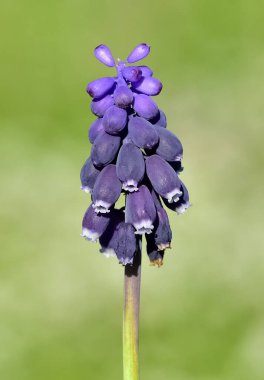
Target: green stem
x,y
131,319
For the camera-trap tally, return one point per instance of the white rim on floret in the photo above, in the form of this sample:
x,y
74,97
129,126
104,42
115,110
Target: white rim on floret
x,y
86,189
173,196
145,226
90,235
178,158
182,208
108,252
101,207
130,185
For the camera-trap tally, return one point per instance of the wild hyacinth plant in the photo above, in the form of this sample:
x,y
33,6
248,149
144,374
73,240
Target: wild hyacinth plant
x,y
132,154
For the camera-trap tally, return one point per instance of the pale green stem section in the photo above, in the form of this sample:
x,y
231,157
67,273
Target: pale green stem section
x,y
131,319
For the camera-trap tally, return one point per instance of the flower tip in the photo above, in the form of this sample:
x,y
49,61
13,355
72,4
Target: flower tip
x,y
156,263
163,246
86,189
89,235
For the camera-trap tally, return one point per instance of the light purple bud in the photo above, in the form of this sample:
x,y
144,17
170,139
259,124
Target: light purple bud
x,y
145,107
88,176
160,120
155,256
132,73
130,166
114,120
104,149
94,225
182,204
107,189
140,52
170,147
140,210
99,106
123,96
142,133
95,129
146,71
163,178
100,87
126,243
104,55
109,239
148,86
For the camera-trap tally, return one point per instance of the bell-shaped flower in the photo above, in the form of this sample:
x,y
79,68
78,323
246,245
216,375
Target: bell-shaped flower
x,y
145,107
148,86
104,149
169,147
155,256
104,55
163,178
143,134
109,239
123,96
140,52
88,176
114,120
182,204
140,210
100,87
99,106
95,129
126,243
130,166
106,190
93,224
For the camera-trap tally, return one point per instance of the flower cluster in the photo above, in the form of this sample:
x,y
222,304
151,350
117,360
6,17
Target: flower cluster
x,y
132,153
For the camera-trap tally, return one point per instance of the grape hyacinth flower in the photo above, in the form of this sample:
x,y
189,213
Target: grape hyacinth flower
x,y
136,160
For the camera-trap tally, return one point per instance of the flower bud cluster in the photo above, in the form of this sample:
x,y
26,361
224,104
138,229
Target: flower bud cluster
x,y
135,154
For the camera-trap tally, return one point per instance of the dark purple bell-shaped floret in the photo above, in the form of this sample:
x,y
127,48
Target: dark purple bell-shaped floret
x,y
145,107
93,224
182,204
104,55
140,210
146,71
99,106
95,129
142,132
130,166
140,52
126,243
131,73
109,239
148,86
170,147
114,120
163,178
88,175
155,256
160,120
100,87
104,149
123,96
107,189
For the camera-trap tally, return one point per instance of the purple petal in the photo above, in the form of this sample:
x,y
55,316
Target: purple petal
x,y
148,86
142,133
140,210
103,54
123,96
140,52
160,120
95,129
170,147
126,243
99,106
107,189
132,73
145,107
100,87
130,166
146,71
163,178
109,239
182,204
88,176
94,225
114,120
104,149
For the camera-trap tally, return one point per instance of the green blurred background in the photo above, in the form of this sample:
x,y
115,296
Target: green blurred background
x,y
60,300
